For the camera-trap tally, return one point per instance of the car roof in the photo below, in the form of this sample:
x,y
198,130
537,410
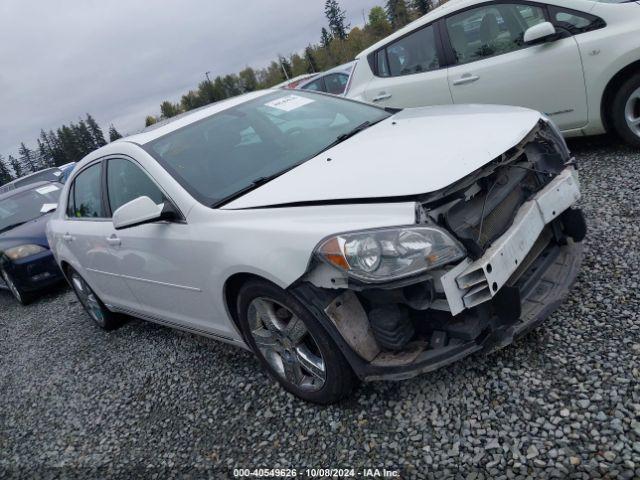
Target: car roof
x,y
344,68
31,186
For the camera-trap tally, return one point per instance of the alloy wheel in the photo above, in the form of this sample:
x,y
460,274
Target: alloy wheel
x,y
87,298
632,112
12,286
286,344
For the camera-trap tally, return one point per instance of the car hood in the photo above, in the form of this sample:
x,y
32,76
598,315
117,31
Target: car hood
x,y
30,232
416,151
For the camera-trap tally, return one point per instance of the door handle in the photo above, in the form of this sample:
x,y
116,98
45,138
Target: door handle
x,y
466,78
114,241
382,96
67,238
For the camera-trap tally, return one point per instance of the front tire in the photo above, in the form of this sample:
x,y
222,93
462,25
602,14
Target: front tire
x,y
626,111
291,345
22,297
94,307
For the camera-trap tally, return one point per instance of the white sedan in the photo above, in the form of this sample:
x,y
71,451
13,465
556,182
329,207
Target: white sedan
x,y
334,239
578,61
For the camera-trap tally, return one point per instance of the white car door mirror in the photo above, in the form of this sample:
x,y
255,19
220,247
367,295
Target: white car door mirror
x,y
136,212
543,32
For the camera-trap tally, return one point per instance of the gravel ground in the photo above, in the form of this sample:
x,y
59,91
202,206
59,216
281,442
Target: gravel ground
x,y
563,402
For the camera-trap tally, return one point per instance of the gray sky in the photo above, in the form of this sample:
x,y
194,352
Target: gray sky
x,y
119,59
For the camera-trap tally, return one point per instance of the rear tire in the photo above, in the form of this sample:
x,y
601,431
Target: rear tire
x,y
94,307
626,111
293,347
21,296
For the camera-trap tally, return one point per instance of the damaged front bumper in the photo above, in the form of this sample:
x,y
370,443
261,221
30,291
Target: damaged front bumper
x,y
478,305
540,293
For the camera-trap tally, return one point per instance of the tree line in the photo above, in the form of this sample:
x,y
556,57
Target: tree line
x,y
338,44
68,143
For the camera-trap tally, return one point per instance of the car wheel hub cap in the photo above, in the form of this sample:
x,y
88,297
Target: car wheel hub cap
x,y
286,344
87,298
632,112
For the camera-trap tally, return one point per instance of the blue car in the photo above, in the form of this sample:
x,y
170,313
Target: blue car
x,y
26,264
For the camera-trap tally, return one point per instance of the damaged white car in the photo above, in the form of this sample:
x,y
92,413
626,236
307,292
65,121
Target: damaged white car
x,y
336,240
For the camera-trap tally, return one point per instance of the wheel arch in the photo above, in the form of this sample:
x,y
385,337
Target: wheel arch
x,y
610,90
231,290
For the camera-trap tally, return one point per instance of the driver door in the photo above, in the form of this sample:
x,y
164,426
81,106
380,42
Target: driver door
x,y
156,259
494,66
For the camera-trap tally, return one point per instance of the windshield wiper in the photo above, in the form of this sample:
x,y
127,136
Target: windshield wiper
x,y
258,182
346,136
11,227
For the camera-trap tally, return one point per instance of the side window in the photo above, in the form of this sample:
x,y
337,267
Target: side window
x,y
315,86
126,181
574,22
336,83
87,193
415,53
491,30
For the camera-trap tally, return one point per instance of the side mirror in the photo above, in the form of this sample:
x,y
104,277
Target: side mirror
x,y
543,32
136,212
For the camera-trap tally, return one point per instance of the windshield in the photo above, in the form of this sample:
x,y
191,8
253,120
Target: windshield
x,y
229,151
26,206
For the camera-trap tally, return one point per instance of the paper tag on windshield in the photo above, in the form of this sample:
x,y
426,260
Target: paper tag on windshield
x,y
47,189
48,207
288,103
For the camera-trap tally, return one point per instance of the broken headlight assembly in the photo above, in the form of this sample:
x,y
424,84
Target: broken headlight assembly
x,y
387,254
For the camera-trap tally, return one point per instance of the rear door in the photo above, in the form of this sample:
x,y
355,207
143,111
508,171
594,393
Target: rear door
x,y
492,65
88,233
410,72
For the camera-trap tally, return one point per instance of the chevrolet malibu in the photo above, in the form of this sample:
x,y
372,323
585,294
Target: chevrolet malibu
x,y
336,240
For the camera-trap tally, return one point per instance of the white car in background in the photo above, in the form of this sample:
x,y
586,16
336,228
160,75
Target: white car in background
x,y
334,239
333,81
578,61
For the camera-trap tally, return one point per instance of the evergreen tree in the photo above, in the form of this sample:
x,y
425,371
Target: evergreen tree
x,y
17,168
5,173
113,133
46,150
27,159
169,109
248,80
336,17
311,60
378,22
83,138
398,13
421,7
96,132
325,38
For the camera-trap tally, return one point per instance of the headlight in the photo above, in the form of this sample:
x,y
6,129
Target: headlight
x,y
390,253
558,137
23,251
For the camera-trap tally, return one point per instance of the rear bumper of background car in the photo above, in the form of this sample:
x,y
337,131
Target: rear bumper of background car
x,y
517,310
36,272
